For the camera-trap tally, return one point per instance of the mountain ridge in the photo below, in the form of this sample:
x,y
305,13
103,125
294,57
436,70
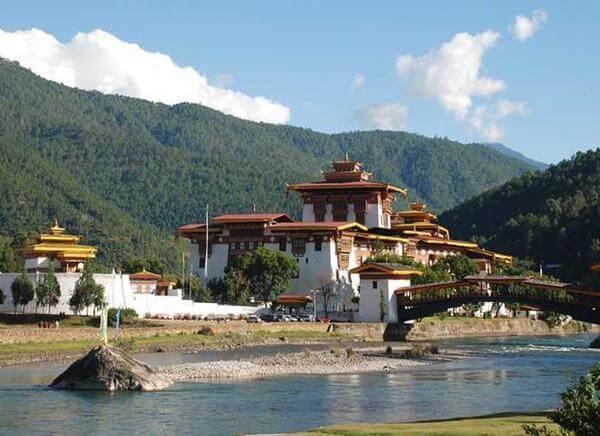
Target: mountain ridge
x,y
160,165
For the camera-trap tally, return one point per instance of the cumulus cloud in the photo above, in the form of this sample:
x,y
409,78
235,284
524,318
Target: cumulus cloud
x,y
99,61
357,83
223,80
524,27
451,74
485,119
385,116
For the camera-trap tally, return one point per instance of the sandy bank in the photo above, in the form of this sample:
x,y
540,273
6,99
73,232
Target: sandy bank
x,y
349,361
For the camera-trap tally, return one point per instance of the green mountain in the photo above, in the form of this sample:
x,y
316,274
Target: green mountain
x,y
501,148
550,217
125,172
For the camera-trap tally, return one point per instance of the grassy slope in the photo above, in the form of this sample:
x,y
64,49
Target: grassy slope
x,y
497,424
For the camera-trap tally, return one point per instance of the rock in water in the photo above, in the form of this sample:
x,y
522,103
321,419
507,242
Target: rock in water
x,y
595,343
109,369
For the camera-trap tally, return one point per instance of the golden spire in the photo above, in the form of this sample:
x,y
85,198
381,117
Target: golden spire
x,y
347,158
56,229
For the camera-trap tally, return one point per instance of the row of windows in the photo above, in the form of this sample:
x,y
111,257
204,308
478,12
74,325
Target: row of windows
x,y
283,245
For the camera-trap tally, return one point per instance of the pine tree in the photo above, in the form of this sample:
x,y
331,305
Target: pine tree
x,y
87,292
22,290
48,290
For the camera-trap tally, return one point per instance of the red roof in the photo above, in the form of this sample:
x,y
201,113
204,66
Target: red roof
x,y
251,218
317,226
145,275
344,185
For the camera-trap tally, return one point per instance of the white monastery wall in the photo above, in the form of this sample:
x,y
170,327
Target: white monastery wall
x,y
370,297
118,293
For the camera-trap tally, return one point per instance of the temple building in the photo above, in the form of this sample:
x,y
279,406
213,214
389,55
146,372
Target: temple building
x,y
346,218
58,249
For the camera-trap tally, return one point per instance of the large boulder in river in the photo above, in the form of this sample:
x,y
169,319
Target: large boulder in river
x,y
595,343
110,369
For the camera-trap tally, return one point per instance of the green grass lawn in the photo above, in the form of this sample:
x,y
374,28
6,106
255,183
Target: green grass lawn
x,y
137,343
498,424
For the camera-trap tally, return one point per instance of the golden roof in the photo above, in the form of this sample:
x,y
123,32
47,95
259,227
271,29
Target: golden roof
x,y
61,245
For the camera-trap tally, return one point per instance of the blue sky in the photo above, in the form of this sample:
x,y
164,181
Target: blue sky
x,y
305,55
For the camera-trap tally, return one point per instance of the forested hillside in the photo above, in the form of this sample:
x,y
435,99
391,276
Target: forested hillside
x,y
551,217
145,168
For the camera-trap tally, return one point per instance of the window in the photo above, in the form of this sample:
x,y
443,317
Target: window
x,y
282,245
246,245
318,245
319,216
374,284
306,260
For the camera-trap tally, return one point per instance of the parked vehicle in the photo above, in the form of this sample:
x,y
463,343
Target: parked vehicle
x,y
306,318
269,317
253,319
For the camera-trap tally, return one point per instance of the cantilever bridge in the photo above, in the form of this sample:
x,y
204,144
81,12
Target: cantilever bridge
x,y
415,302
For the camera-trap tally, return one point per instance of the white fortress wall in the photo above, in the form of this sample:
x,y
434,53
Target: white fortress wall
x,y
118,293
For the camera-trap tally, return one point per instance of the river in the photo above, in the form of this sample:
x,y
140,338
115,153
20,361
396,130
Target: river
x,y
506,374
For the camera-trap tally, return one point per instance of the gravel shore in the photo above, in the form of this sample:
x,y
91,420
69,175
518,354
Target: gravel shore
x,y
334,361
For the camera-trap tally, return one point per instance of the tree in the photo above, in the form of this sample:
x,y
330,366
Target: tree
x,y
48,290
268,271
22,290
459,266
138,264
237,287
196,291
9,261
332,291
87,292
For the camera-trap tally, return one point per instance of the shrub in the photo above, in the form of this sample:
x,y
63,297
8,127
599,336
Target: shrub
x,y
389,350
580,410
127,316
125,344
350,352
206,331
336,352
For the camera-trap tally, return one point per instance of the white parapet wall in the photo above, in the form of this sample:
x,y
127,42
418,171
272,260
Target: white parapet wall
x,y
119,294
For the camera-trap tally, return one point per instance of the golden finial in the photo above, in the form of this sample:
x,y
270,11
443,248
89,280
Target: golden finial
x,y
56,229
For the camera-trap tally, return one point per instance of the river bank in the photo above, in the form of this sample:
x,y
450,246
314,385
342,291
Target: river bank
x,y
435,328
28,343
496,424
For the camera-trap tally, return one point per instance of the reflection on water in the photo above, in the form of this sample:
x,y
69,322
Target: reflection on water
x,y
506,375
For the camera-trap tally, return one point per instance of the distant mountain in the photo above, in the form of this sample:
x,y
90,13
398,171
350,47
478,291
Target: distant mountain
x,y
550,217
501,148
125,173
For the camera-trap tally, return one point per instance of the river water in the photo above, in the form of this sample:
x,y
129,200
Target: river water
x,y
506,374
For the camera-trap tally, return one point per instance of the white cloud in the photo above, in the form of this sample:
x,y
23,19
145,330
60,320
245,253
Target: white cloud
x,y
451,74
524,27
100,61
223,80
357,83
386,116
485,120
